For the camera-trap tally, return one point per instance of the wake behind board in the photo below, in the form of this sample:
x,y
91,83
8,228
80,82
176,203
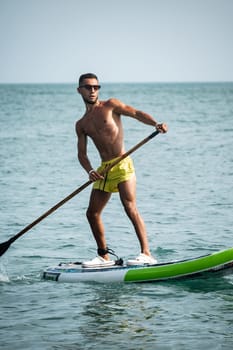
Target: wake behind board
x,y
216,263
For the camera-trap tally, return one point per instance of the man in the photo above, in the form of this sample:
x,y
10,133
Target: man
x,y
102,123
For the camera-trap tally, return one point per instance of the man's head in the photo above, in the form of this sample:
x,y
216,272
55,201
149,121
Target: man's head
x,y
86,76
88,87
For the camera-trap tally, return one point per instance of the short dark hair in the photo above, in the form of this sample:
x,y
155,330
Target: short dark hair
x,y
86,76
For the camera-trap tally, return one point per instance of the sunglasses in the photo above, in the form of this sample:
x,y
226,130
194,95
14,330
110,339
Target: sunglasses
x,y
90,87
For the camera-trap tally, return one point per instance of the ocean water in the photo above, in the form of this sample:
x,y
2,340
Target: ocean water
x,y
184,193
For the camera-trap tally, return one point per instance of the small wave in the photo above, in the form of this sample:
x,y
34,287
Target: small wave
x,y
3,274
4,278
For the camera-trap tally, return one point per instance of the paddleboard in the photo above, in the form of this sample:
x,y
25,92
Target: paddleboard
x,y
217,263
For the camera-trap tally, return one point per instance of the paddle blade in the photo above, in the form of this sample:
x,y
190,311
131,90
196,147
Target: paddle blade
x,y
4,246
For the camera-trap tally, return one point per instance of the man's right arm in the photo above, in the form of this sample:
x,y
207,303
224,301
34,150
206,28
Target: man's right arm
x,y
82,154
82,148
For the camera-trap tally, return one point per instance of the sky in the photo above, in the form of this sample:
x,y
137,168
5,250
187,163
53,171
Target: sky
x,y
54,41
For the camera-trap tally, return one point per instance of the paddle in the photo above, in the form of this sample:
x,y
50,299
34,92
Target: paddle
x,y
5,245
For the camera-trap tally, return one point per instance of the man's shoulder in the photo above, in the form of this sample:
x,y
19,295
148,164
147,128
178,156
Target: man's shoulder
x,y
112,102
79,125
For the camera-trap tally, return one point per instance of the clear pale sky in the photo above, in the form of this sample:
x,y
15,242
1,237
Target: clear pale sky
x,y
119,40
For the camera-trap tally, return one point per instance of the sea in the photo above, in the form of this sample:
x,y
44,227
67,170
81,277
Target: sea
x,y
184,194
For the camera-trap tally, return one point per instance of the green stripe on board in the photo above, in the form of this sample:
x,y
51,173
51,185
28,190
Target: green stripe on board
x,y
180,268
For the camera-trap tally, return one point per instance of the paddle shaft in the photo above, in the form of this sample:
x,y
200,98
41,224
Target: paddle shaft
x,y
4,246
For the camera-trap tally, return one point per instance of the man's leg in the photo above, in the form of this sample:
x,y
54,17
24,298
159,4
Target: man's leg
x,y
127,191
98,201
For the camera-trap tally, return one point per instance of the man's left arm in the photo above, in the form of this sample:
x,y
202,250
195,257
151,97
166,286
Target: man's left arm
x,y
121,108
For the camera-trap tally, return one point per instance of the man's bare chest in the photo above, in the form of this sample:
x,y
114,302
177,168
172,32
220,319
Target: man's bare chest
x,y
100,123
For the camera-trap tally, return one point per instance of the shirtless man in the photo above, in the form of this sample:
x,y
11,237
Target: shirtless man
x,y
102,123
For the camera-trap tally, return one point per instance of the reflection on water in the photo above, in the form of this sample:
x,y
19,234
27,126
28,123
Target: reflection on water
x,y
117,312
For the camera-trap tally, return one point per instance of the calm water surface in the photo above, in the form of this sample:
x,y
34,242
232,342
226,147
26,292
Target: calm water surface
x,y
184,194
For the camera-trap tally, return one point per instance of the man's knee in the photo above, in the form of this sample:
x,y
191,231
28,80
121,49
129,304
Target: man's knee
x,y
131,209
91,214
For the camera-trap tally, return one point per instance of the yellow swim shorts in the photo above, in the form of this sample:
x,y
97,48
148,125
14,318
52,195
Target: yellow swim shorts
x,y
121,172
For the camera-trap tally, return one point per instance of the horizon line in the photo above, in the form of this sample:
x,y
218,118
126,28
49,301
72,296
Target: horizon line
x,y
125,82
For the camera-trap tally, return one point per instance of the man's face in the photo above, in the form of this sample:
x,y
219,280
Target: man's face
x,y
88,89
